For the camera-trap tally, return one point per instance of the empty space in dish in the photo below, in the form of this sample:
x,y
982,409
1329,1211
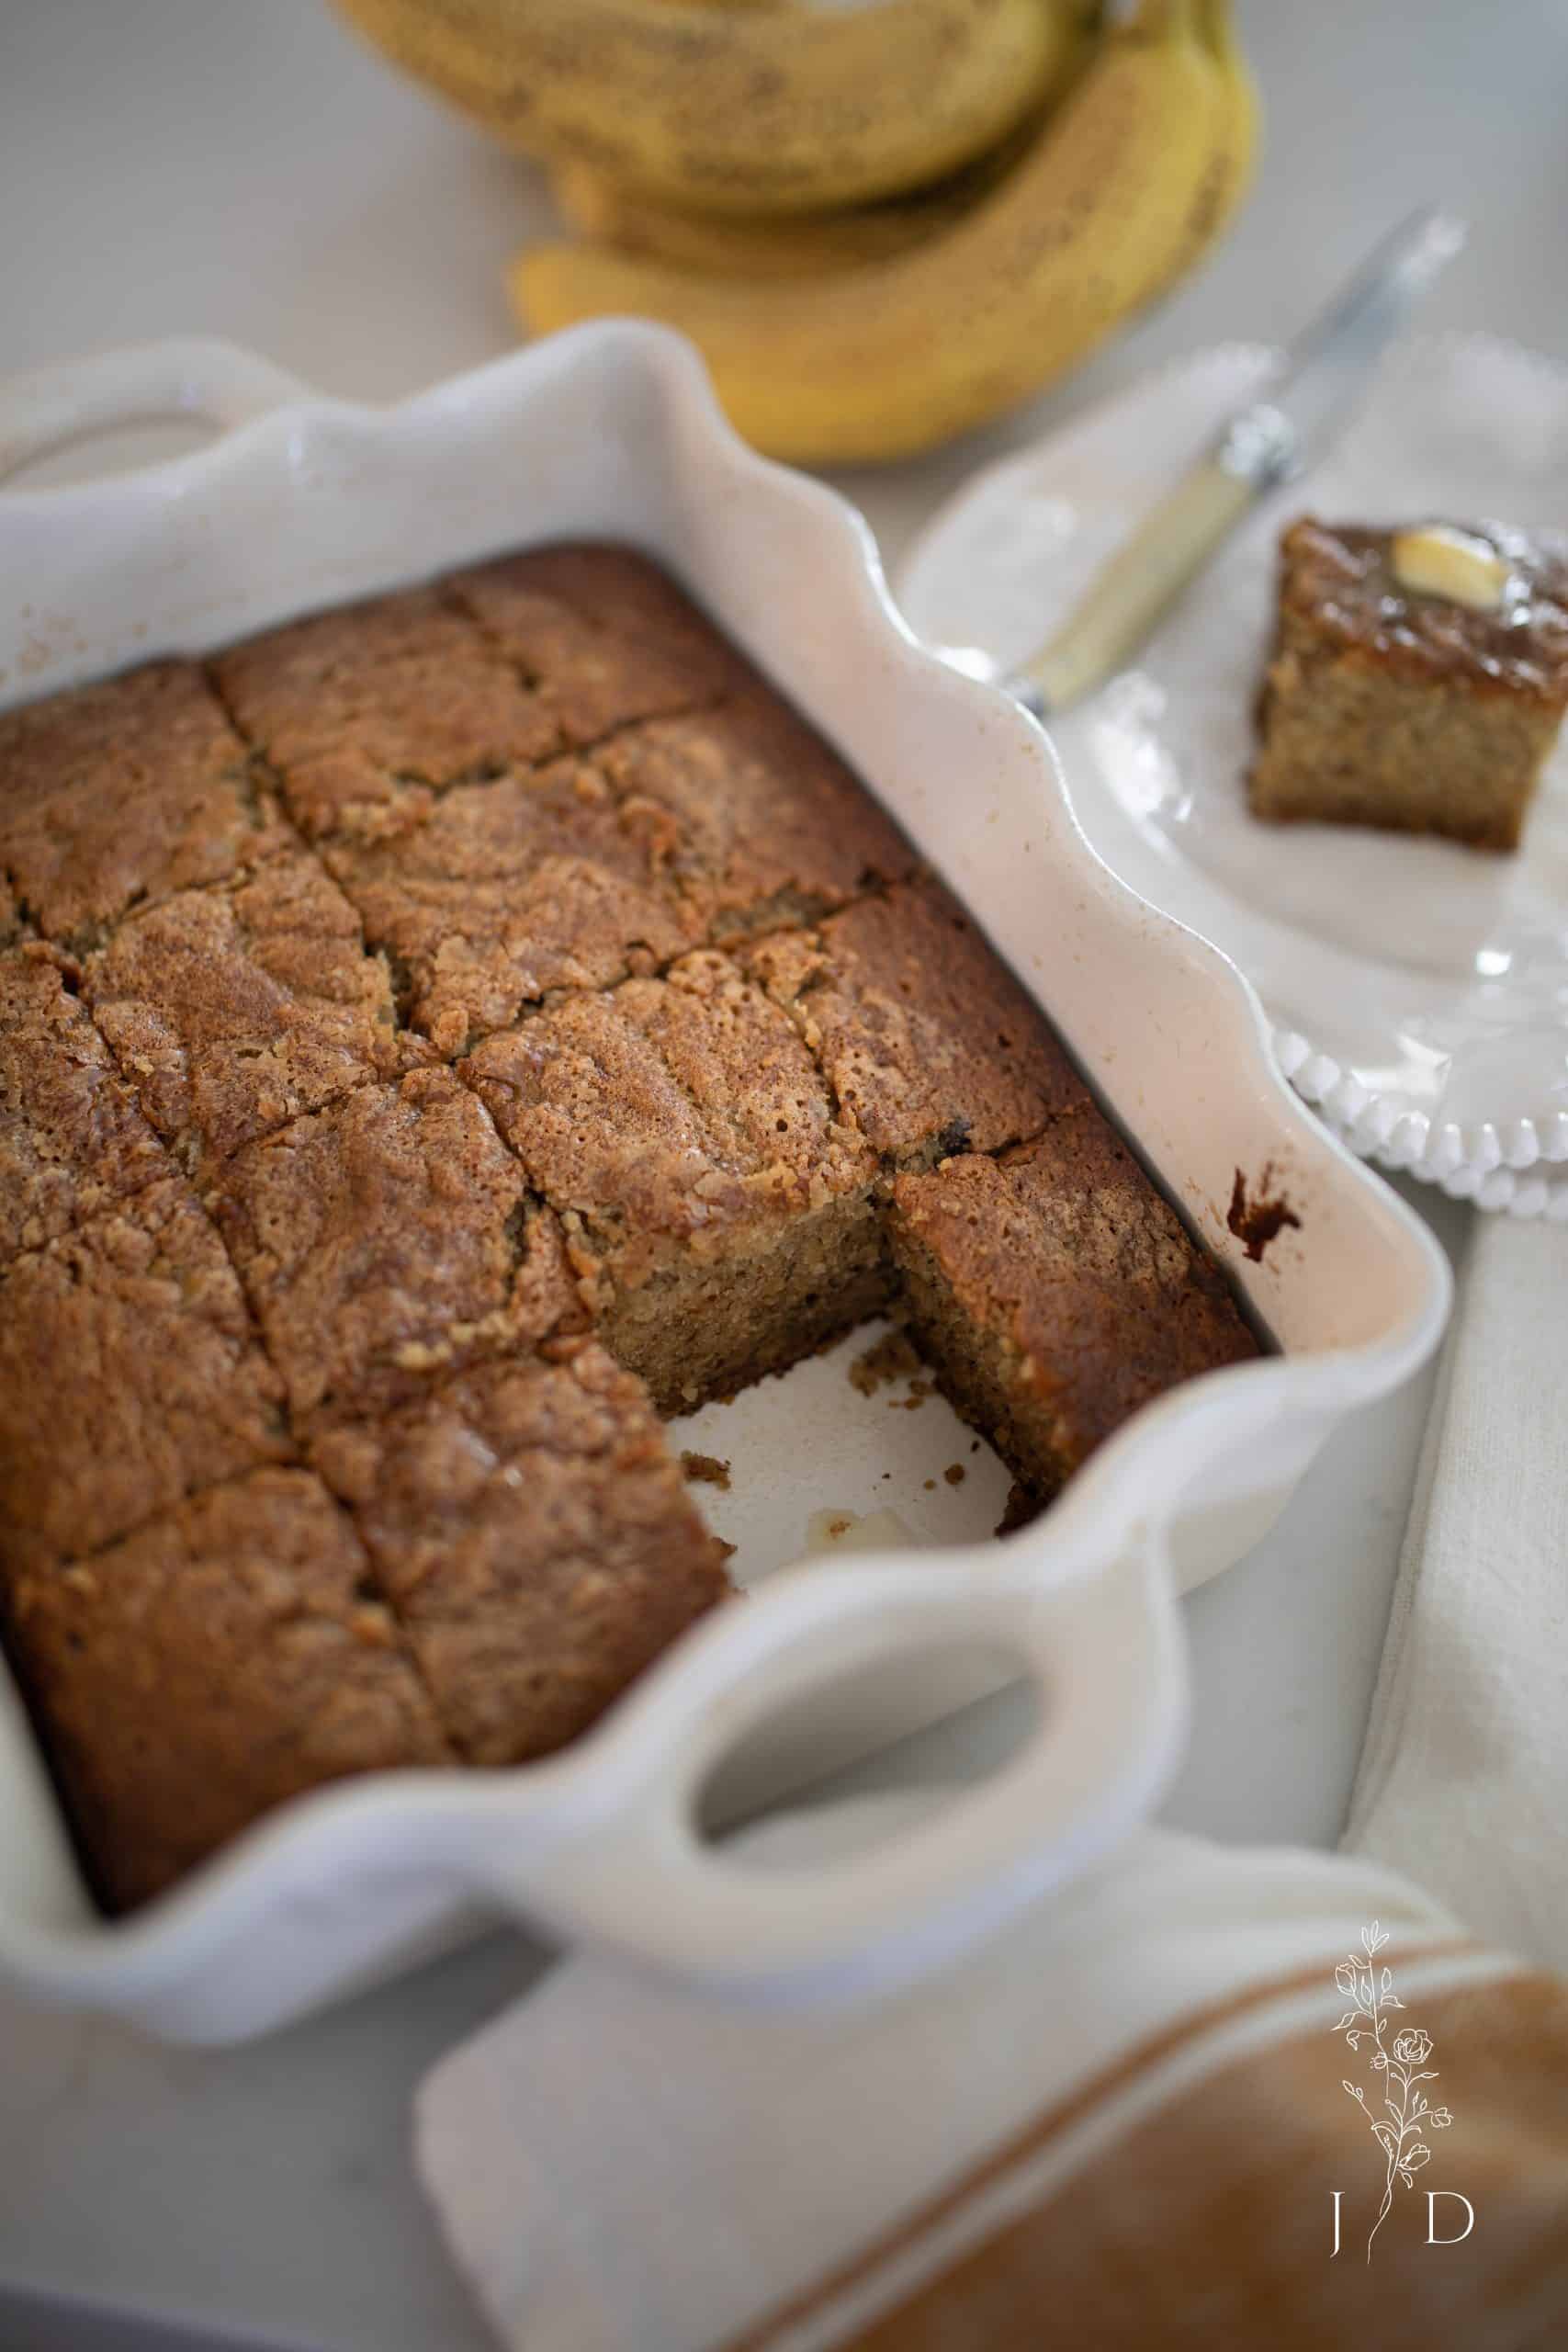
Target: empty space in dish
x,y
822,1461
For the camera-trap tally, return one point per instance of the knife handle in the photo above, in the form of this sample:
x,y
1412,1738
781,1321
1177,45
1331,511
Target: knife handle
x,y
1139,581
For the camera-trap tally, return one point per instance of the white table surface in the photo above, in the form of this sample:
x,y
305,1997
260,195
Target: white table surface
x,y
246,169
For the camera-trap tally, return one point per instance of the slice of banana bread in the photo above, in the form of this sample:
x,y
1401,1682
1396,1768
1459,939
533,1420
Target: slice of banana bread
x,y
71,1139
511,890
120,793
236,1008
929,1045
721,1213
368,712
130,1375
763,825
228,1655
1055,1292
1395,706
607,638
386,1238
536,1541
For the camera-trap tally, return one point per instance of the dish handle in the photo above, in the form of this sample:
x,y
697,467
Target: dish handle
x,y
1103,1649
184,376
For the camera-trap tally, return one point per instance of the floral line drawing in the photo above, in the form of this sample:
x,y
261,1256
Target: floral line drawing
x,y
1403,2066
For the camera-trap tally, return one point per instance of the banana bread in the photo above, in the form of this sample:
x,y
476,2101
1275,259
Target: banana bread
x,y
510,891
236,1008
464,1026
761,823
366,714
1055,1292
928,1043
121,793
605,637
129,1376
535,1539
722,1216
387,1238
1405,707
71,1139
227,1655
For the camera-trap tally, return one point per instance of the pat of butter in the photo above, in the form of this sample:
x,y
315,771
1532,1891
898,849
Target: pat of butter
x,y
1441,562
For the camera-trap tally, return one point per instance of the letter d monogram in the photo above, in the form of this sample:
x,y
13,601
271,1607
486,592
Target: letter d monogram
x,y
1432,2197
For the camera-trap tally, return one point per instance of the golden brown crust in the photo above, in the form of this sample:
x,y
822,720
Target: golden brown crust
x,y
511,890
536,1540
1338,580
761,823
229,1656
234,1009
120,793
720,1214
367,712
71,1139
1056,1292
608,638
130,1376
929,1045
668,1107
386,1239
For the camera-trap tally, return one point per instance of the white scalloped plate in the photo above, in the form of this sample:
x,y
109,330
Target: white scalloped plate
x,y
1419,991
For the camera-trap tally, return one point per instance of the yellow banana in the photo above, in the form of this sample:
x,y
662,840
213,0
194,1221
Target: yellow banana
x,y
889,359
770,245
1243,114
743,109
1235,156
800,244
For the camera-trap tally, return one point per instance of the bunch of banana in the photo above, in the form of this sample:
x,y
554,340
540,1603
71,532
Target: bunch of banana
x,y
882,352
882,222
738,109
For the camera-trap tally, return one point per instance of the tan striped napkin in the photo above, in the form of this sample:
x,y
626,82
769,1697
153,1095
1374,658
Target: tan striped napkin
x,y
1143,2117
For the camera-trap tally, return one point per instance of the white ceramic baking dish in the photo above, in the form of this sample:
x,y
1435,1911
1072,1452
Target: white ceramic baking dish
x,y
611,431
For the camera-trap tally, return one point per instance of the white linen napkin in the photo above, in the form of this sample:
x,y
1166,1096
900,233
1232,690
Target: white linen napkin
x,y
1463,1781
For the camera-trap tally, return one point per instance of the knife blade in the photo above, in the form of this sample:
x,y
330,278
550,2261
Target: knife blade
x,y
1320,377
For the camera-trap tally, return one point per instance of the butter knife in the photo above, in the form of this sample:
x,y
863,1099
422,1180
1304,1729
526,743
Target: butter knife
x,y
1319,378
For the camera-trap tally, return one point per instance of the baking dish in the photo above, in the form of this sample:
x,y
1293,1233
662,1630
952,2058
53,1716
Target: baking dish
x,y
612,431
